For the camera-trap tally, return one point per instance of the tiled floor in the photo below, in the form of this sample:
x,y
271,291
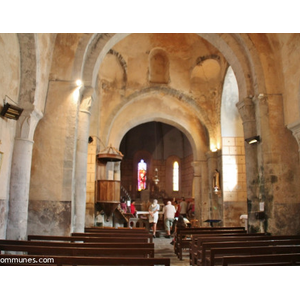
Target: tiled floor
x,y
163,248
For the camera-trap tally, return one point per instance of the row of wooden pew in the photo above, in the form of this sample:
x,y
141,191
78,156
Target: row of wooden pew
x,y
96,246
234,246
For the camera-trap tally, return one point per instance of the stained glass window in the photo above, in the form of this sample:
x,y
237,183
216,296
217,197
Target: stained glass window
x,y
142,175
175,176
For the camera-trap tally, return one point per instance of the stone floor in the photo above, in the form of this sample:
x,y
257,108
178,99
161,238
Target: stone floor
x,y
163,248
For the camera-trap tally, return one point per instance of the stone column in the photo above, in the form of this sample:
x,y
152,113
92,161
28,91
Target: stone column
x,y
200,190
247,111
81,163
278,168
20,176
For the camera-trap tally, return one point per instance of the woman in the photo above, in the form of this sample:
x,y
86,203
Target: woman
x,y
153,215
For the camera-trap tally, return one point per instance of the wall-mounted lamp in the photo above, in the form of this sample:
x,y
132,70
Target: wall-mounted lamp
x,y
79,82
11,111
253,140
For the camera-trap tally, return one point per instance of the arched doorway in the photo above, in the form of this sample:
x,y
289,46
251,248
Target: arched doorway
x,y
159,145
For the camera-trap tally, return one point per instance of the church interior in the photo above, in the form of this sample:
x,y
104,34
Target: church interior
x,y
186,98
91,120
94,123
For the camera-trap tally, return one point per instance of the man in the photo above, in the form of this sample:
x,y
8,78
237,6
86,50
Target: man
x,y
183,207
169,214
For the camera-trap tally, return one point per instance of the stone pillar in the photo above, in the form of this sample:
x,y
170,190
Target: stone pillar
x,y
246,109
81,164
20,176
200,192
278,169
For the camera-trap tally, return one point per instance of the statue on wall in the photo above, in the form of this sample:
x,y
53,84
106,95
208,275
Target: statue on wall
x,y
216,182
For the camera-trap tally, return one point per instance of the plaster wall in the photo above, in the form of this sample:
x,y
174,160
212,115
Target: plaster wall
x,y
10,84
52,172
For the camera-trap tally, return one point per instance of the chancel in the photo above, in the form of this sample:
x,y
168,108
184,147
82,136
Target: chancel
x,y
210,118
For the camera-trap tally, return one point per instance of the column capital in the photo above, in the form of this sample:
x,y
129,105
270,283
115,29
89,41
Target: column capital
x,y
87,99
197,165
211,154
27,123
246,109
86,104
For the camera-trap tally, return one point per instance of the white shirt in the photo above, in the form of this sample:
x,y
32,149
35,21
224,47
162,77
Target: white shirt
x,y
183,206
169,211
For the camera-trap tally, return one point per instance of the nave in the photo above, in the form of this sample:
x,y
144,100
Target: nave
x,y
163,248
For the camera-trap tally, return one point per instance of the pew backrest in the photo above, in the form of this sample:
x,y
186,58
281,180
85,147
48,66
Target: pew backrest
x,y
286,259
258,250
114,234
79,251
77,244
88,239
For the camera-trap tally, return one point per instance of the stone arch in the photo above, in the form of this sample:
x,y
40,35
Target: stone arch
x,y
100,44
238,49
123,64
158,109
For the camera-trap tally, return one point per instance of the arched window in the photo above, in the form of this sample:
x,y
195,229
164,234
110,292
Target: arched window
x,y
142,175
175,176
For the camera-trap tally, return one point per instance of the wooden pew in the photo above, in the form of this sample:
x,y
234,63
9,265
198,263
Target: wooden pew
x,y
79,251
208,247
114,234
42,260
197,241
184,236
285,259
78,244
205,243
249,250
88,239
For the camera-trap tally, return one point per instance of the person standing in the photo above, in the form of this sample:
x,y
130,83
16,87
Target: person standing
x,y
153,215
123,205
183,208
169,214
177,208
132,208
